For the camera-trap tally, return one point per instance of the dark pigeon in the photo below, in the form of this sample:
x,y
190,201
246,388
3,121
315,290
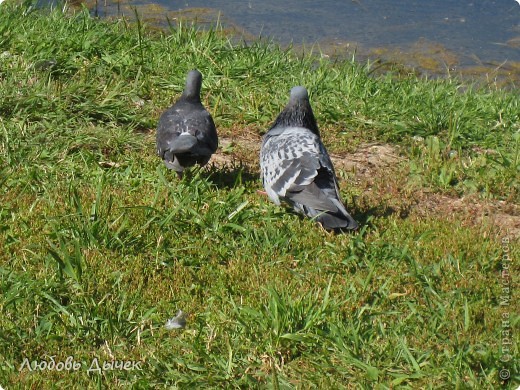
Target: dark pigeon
x,y
297,169
186,134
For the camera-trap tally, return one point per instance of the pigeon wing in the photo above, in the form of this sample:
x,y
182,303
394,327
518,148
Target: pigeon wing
x,y
291,161
206,133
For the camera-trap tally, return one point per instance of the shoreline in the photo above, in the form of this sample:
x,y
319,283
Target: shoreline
x,y
422,57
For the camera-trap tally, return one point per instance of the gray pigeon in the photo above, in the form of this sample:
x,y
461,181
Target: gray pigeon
x,y
186,134
297,169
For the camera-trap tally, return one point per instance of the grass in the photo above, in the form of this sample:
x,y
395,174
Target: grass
x,y
101,244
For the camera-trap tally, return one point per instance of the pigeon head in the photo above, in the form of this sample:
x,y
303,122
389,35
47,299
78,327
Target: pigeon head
x,y
298,112
193,85
299,93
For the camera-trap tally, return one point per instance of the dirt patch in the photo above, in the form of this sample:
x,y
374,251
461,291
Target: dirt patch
x,y
244,149
379,171
368,159
472,210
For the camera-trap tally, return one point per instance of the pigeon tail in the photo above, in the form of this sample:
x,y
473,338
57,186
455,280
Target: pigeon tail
x,y
183,143
327,210
336,221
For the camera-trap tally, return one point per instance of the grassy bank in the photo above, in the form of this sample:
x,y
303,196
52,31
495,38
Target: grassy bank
x,y
101,244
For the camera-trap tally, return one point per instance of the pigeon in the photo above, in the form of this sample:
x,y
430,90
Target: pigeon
x,y
297,169
186,133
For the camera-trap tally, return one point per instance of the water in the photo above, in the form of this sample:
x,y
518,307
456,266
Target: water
x,y
432,36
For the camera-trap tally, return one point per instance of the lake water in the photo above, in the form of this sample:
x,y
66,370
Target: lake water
x,y
430,36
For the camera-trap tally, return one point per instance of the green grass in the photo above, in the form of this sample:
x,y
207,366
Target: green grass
x,y
101,244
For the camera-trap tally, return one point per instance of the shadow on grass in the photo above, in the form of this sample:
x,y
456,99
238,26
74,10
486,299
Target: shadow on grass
x,y
363,216
231,175
364,213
